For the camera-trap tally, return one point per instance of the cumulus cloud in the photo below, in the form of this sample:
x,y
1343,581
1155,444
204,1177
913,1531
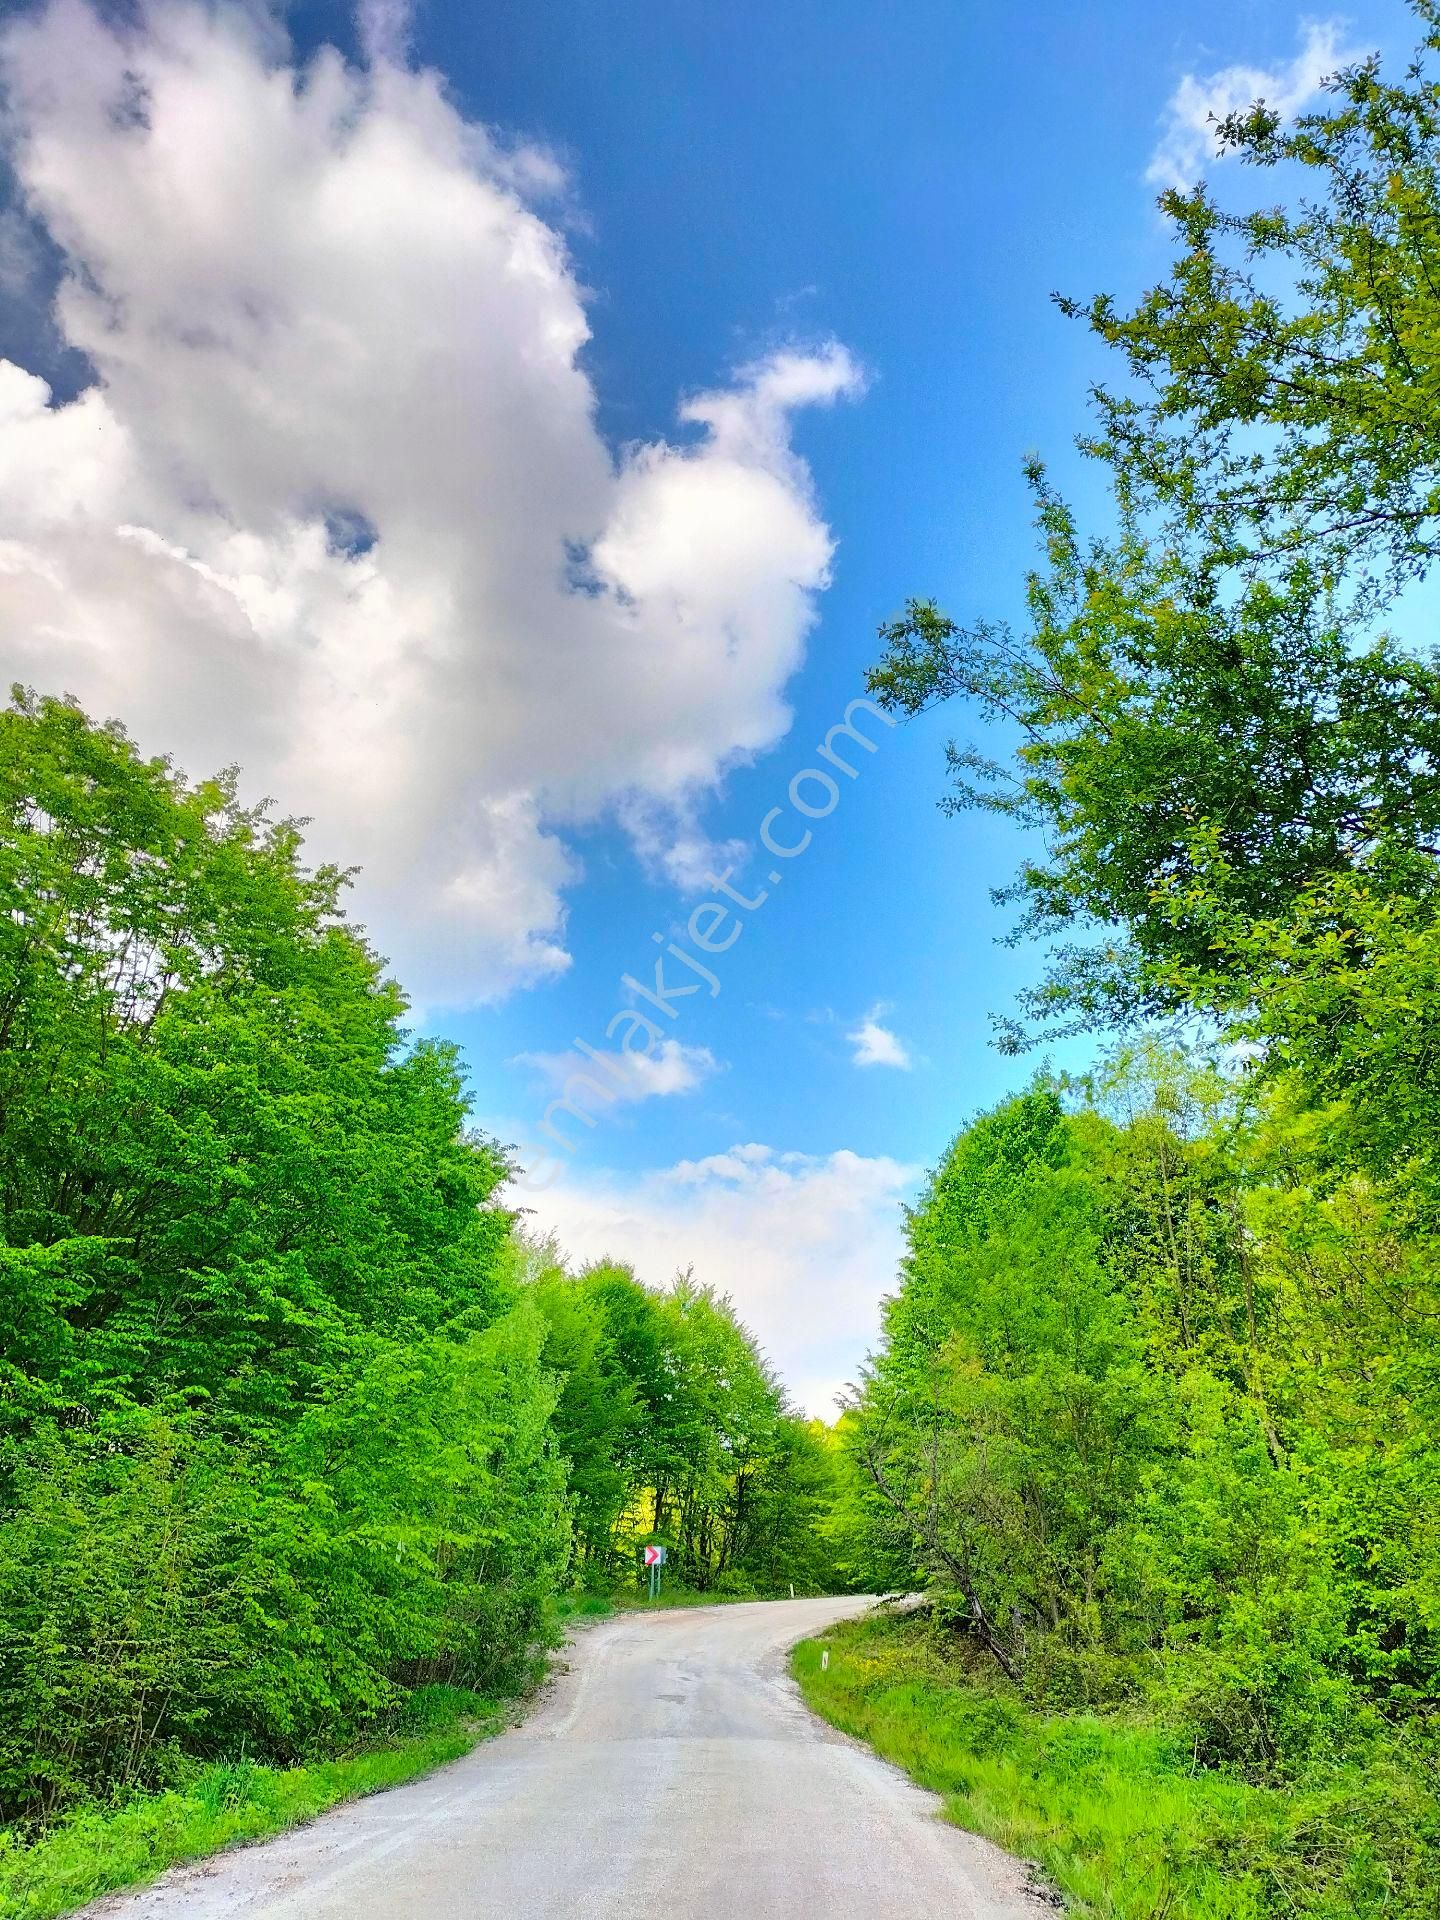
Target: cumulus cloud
x,y
1201,102
384,30
623,1076
876,1045
336,507
805,1245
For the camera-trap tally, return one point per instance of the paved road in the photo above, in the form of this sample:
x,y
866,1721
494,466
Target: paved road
x,y
671,1773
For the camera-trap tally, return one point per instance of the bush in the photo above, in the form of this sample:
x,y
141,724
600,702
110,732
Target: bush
x,y
1115,1808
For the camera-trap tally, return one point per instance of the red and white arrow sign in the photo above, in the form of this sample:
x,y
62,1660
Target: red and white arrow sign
x,y
653,1556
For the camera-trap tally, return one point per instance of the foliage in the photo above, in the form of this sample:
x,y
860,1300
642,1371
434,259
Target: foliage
x,y
96,1849
1183,753
1286,393
223,1174
678,1432
1155,1410
292,1429
1234,772
1156,1413
1114,1808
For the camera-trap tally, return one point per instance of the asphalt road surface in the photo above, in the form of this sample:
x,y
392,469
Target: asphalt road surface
x,y
671,1773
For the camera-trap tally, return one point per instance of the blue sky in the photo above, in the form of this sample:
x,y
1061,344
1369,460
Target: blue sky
x,y
915,182
739,183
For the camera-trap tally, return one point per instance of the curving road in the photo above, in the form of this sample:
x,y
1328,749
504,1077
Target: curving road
x,y
671,1772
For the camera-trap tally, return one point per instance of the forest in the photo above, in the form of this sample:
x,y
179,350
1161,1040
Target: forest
x,y
301,1430
295,1423
1156,1411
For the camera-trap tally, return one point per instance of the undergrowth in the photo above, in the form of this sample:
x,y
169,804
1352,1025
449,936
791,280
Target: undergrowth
x,y
99,1848
1115,1809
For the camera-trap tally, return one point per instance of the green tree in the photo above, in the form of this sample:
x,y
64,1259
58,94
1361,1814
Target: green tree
x,y
275,1439
597,1412
1154,1415
1232,775
222,1169
1179,754
1286,392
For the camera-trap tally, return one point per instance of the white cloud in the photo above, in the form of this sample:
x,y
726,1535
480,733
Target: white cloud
x,y
805,1245
337,508
384,30
1200,102
627,1075
876,1046
672,844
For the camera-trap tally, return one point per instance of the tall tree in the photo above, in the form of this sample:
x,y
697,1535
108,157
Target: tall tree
x,y
1287,374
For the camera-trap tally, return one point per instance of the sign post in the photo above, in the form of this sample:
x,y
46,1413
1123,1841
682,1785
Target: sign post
x,y
654,1560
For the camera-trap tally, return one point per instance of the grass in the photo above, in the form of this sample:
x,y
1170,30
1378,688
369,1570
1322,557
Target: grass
x,y
575,1608
1114,1811
637,1600
567,1608
100,1849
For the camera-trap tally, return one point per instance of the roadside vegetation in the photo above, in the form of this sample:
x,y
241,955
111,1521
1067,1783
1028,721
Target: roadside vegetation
x,y
1111,1806
98,1847
295,1426
1155,1416
307,1451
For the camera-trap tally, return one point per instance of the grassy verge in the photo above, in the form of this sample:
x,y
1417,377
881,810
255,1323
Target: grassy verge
x,y
1114,1811
636,1600
98,1850
573,1609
